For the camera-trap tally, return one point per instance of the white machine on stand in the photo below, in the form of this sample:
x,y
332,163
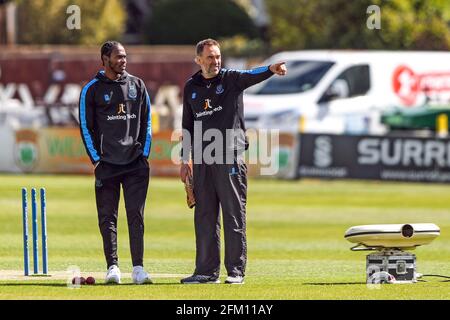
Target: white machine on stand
x,y
391,264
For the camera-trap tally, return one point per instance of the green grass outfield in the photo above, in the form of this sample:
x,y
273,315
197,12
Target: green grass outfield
x,y
296,248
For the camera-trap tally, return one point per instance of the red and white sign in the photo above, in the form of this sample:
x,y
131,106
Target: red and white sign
x,y
408,85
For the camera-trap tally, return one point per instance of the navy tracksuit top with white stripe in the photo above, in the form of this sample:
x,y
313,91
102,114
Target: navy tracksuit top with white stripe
x,y
115,119
218,104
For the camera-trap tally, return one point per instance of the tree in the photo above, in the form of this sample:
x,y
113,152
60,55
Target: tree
x,y
341,24
44,21
188,21
416,25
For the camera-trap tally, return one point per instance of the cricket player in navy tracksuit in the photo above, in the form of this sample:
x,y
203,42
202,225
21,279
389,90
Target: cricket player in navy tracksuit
x,y
115,125
213,99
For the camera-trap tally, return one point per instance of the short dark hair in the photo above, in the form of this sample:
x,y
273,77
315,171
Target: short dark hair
x,y
107,48
207,42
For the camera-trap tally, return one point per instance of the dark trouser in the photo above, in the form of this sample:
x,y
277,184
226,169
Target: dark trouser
x,y
224,185
107,192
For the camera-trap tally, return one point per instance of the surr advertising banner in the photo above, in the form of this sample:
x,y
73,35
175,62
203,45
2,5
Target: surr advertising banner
x,y
375,157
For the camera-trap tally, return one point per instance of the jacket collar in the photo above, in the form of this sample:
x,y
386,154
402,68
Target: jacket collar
x,y
102,77
201,81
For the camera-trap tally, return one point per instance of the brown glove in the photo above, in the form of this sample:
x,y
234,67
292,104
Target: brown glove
x,y
189,187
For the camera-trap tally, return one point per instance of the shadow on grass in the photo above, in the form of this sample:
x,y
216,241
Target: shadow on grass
x,y
61,285
331,283
28,284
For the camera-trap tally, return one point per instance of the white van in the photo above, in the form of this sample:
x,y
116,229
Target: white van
x,y
346,91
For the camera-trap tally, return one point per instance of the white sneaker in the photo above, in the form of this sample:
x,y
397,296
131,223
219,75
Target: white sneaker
x,y
235,280
113,275
139,275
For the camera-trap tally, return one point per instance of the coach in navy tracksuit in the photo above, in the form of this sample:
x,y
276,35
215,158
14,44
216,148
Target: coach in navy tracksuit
x,y
115,125
213,102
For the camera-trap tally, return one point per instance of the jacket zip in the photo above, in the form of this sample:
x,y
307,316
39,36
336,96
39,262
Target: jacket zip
x,y
101,144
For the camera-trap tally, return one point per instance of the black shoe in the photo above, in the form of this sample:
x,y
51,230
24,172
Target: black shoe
x,y
196,279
